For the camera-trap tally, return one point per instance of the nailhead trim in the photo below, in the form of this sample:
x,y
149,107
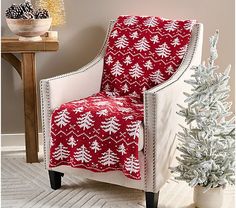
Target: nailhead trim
x,y
155,103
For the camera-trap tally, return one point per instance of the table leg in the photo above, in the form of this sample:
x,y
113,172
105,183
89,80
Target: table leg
x,y
30,107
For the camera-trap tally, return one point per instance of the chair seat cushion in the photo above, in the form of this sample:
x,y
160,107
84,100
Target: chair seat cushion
x,y
99,133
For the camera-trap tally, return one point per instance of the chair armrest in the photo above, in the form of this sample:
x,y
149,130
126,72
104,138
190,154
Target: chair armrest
x,y
76,85
161,123
58,90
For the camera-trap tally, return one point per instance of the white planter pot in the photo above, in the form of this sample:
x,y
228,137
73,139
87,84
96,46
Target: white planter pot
x,y
213,198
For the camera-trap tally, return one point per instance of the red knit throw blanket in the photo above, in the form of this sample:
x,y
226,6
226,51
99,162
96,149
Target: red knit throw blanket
x,y
100,133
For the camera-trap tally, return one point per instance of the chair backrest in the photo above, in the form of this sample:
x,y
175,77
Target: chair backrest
x,y
143,52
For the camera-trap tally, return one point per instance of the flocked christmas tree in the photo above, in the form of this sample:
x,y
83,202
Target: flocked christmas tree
x,y
208,143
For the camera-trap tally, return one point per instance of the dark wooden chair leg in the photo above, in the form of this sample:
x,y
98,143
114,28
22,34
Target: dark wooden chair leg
x,y
151,199
55,179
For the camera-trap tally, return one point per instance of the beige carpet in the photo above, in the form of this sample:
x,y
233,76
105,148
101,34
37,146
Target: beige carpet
x,y
27,186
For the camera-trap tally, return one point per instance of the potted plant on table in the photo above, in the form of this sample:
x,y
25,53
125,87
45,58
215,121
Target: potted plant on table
x,y
207,144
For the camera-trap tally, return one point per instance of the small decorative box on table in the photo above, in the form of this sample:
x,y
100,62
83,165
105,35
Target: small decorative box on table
x,y
26,69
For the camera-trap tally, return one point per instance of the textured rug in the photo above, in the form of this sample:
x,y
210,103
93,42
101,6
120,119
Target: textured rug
x,y
27,186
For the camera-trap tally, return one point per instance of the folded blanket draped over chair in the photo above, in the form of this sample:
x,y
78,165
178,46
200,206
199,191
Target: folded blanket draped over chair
x,y
100,133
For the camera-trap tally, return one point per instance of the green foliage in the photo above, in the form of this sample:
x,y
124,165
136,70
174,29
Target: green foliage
x,y
208,143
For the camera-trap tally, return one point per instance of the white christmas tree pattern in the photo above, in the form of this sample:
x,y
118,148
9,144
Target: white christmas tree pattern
x,y
175,42
136,71
71,141
109,60
132,164
122,149
134,94
103,112
130,20
157,77
117,69
95,146
114,34
85,121
150,22
111,125
134,35
107,87
127,60
171,26
155,39
63,118
163,50
148,65
133,128
83,155
182,51
78,110
125,88
108,158
61,152
121,42
170,70
142,45
189,25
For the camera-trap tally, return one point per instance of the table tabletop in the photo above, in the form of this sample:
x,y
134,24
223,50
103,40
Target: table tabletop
x,y
13,45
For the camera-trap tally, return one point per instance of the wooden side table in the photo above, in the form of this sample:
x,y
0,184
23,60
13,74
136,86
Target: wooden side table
x,y
26,69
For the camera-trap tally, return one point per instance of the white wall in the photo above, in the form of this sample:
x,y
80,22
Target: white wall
x,y
83,34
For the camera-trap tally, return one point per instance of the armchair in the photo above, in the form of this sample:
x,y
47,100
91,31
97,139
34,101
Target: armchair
x,y
156,144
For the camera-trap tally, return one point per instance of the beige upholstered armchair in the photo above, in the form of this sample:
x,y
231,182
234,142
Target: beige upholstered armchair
x,y
157,134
